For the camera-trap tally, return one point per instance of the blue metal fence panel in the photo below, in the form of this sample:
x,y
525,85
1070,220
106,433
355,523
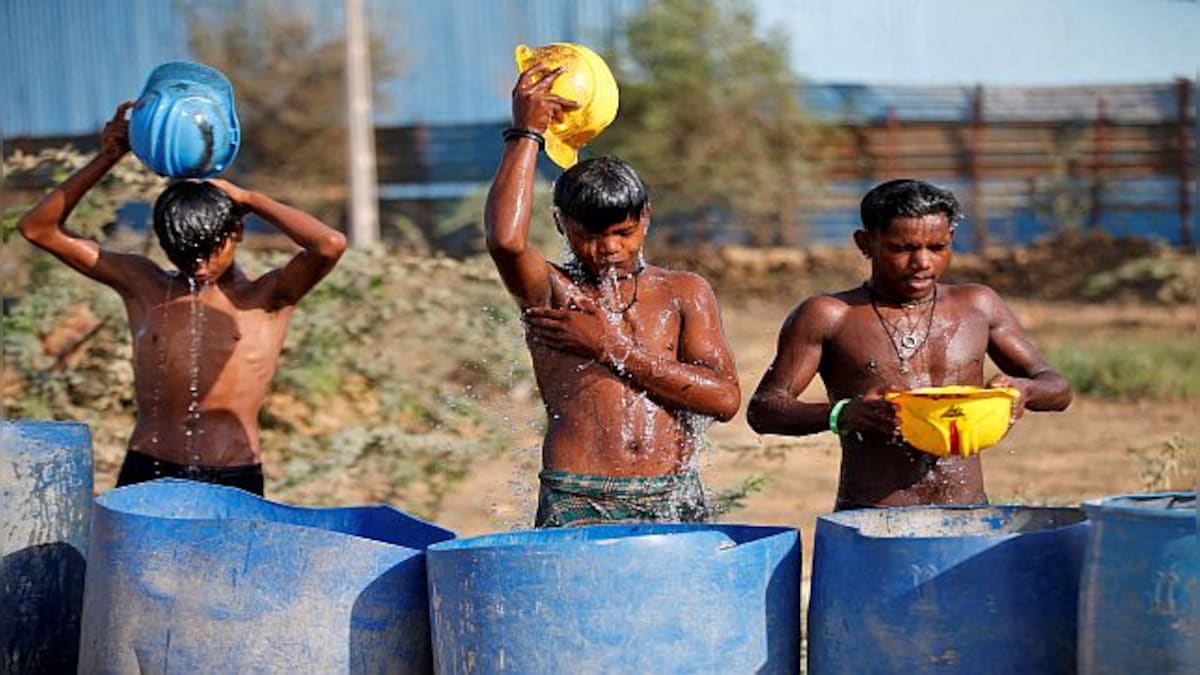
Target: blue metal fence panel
x,y
456,58
68,63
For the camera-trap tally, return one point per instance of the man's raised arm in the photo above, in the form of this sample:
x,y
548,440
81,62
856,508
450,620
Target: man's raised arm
x,y
509,203
44,224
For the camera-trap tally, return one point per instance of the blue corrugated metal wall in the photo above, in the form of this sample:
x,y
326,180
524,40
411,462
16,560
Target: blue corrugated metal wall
x,y
67,63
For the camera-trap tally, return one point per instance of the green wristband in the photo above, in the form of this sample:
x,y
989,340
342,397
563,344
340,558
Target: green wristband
x,y
835,413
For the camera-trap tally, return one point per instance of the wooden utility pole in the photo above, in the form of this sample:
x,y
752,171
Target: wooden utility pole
x,y
979,225
360,137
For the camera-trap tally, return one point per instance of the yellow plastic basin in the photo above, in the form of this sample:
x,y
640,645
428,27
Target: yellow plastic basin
x,y
954,421
587,81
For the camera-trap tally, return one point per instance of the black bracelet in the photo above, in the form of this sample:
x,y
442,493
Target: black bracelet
x,y
518,132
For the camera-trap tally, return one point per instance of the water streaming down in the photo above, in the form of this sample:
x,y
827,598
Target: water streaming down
x,y
159,375
196,328
640,421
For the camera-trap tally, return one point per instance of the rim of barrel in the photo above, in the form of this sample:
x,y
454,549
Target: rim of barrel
x,y
846,520
608,534
1180,504
106,500
24,426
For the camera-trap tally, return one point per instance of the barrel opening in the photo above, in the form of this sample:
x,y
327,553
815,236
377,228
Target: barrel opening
x,y
924,522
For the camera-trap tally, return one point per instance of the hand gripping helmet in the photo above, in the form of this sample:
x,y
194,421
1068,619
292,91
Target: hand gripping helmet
x,y
956,420
184,124
585,80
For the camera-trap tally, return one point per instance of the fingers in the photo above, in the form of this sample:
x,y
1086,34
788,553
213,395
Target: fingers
x,y
539,77
565,104
545,314
121,109
546,77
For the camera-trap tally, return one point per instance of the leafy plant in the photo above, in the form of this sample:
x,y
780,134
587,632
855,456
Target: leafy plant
x,y
1155,369
1170,465
710,117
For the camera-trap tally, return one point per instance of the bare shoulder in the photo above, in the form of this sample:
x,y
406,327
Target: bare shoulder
x,y
131,274
827,308
681,283
261,293
976,296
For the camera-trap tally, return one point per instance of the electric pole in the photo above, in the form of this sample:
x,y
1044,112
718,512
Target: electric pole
x,y
360,141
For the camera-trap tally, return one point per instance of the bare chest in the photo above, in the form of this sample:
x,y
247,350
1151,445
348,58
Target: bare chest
x,y
212,333
893,349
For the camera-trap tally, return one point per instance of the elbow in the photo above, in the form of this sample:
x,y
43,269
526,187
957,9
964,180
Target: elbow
x,y
32,230
727,404
1059,392
725,413
504,246
332,246
755,417
1066,398
762,414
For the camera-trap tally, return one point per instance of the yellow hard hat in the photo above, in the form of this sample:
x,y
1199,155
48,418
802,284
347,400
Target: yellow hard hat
x,y
585,80
954,421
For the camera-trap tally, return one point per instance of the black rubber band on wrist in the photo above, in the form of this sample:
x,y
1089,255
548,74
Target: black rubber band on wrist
x,y
512,133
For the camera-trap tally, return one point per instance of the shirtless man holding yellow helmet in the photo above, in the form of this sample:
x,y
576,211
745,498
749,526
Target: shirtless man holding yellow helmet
x,y
902,331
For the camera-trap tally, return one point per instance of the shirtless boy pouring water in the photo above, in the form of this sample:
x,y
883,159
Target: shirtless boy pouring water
x,y
206,338
629,357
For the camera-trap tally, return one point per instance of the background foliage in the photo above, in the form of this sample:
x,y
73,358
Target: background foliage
x,y
709,117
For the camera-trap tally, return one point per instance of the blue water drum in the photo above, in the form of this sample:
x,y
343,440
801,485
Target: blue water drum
x,y
185,123
991,589
644,598
197,578
1139,603
45,510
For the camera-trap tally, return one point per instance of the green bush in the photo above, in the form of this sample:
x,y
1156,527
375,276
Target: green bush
x,y
1156,369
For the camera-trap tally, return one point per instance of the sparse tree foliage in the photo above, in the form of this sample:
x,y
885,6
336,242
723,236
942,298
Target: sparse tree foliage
x,y
288,79
710,118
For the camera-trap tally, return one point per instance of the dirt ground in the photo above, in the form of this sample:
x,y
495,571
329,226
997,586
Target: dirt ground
x,y
1048,458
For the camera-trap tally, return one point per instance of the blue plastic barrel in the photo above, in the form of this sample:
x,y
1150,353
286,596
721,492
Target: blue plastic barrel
x,y
651,598
196,578
946,589
45,508
1139,609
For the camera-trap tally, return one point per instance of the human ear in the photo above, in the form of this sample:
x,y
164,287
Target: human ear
x,y
863,241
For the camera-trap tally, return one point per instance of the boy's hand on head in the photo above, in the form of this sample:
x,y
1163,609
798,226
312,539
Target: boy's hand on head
x,y
236,194
533,105
114,140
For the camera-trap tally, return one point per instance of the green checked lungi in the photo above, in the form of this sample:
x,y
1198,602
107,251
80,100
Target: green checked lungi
x,y
583,499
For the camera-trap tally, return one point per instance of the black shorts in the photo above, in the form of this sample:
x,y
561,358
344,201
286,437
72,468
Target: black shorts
x,y
139,467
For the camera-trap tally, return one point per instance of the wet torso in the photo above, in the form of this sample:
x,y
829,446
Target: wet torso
x,y
597,422
202,366
861,355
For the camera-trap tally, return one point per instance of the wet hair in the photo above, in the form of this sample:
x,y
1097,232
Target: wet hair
x,y
192,220
598,193
907,198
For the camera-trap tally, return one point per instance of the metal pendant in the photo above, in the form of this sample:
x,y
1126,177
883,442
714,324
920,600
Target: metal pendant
x,y
908,341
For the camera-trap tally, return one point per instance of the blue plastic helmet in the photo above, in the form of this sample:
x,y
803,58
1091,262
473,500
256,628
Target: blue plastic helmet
x,y
184,124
